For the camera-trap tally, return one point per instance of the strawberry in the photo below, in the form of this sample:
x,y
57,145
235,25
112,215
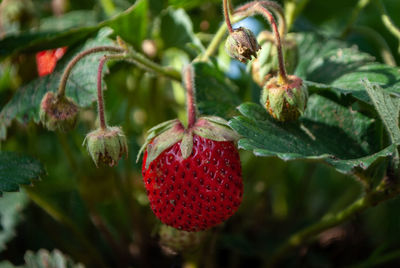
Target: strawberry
x,y
46,60
192,175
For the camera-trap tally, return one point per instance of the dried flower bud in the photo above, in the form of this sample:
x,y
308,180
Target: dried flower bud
x,y
285,101
106,145
266,65
58,113
174,241
242,44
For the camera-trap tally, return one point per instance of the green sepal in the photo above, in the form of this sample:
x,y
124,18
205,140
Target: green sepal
x,y
165,135
187,144
215,128
154,131
163,141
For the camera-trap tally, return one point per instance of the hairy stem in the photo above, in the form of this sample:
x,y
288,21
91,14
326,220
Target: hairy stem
x,y
61,217
275,7
226,15
100,100
260,9
149,65
373,198
76,59
190,99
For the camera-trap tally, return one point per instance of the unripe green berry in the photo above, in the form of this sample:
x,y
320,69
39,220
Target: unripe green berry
x,y
266,65
107,145
58,113
285,101
242,44
174,241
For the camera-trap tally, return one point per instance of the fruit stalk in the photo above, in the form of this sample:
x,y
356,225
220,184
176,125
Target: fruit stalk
x,y
275,7
76,59
190,98
100,100
226,15
258,8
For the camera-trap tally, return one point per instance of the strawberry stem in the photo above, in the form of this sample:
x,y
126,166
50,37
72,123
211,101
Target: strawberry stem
x,y
76,59
260,9
100,100
188,77
226,15
273,6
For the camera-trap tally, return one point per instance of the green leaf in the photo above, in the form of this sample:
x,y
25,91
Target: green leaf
x,y
176,30
17,170
81,85
130,24
327,131
73,19
11,206
328,63
215,93
387,107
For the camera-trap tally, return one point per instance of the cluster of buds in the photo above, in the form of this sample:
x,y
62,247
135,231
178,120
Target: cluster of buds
x,y
284,96
106,145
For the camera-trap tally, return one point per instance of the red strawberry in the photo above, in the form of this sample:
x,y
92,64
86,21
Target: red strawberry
x,y
46,60
193,176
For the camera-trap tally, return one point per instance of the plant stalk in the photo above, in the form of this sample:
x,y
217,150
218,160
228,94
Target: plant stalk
x,y
149,65
260,9
373,198
76,59
275,7
226,15
190,98
100,100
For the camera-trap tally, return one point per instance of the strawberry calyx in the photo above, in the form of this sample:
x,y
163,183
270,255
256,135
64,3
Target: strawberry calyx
x,y
165,135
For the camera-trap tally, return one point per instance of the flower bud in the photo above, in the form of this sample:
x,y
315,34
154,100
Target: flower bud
x,y
242,44
58,113
174,241
106,145
285,101
266,65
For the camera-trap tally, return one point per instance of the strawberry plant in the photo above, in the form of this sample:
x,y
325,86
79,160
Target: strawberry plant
x,y
199,133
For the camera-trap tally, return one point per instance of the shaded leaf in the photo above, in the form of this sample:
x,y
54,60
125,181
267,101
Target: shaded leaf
x,y
130,24
327,131
81,85
387,107
176,30
11,206
328,63
17,170
215,93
